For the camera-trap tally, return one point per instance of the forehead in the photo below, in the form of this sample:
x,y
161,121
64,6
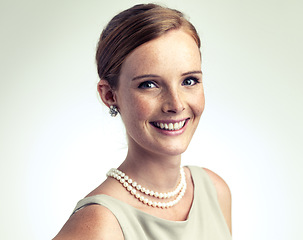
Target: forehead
x,y
175,52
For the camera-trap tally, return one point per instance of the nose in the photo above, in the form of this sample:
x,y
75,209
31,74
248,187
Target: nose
x,y
172,102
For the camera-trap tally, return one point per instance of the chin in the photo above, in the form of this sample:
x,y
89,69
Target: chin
x,y
172,151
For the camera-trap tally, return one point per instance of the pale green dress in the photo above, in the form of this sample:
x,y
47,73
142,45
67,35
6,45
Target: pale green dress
x,y
205,220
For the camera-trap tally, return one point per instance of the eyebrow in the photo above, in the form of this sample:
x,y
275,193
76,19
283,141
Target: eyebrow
x,y
157,76
192,72
145,76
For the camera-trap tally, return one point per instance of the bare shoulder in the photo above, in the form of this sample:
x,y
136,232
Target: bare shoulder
x,y
224,195
91,222
220,185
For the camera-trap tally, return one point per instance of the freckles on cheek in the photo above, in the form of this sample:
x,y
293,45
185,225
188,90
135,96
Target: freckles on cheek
x,y
137,110
142,111
142,107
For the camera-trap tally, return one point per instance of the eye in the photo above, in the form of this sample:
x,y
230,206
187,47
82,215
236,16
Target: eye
x,y
190,81
147,84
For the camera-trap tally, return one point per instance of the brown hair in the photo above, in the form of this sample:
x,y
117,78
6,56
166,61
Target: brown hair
x,y
132,28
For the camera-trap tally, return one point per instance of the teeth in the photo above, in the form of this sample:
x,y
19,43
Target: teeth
x,y
170,126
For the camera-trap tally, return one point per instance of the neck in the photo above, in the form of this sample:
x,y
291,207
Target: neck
x,y
155,171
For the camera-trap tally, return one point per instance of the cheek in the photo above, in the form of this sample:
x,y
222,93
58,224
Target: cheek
x,y
143,106
137,109
199,105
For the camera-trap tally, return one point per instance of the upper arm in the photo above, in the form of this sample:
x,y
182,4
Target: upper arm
x,y
91,222
224,195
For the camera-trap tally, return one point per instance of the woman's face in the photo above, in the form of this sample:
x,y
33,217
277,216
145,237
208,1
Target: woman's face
x,y
160,94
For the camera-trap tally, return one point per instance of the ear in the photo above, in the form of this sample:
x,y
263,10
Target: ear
x,y
106,93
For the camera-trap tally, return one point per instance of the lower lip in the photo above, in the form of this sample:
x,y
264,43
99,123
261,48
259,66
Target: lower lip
x,y
171,132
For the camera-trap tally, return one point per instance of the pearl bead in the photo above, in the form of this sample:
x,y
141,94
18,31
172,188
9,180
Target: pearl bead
x,y
133,186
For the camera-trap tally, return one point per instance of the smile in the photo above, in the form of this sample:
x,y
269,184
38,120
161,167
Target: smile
x,y
170,126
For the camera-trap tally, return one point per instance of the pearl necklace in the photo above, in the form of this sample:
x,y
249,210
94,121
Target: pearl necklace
x,y
134,188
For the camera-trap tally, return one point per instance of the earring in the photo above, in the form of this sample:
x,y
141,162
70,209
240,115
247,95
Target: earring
x,y
113,110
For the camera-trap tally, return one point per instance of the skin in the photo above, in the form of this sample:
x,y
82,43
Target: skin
x,y
160,82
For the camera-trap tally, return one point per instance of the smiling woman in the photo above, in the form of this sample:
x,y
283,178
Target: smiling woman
x,y
149,65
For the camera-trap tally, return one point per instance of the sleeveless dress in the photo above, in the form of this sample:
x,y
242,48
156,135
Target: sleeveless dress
x,y
205,219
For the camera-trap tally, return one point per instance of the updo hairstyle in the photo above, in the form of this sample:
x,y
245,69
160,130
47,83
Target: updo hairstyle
x,y
132,28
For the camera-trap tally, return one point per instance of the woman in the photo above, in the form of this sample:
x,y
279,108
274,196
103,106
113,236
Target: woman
x,y
149,65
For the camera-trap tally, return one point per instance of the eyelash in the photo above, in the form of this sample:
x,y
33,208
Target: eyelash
x,y
143,85
194,79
